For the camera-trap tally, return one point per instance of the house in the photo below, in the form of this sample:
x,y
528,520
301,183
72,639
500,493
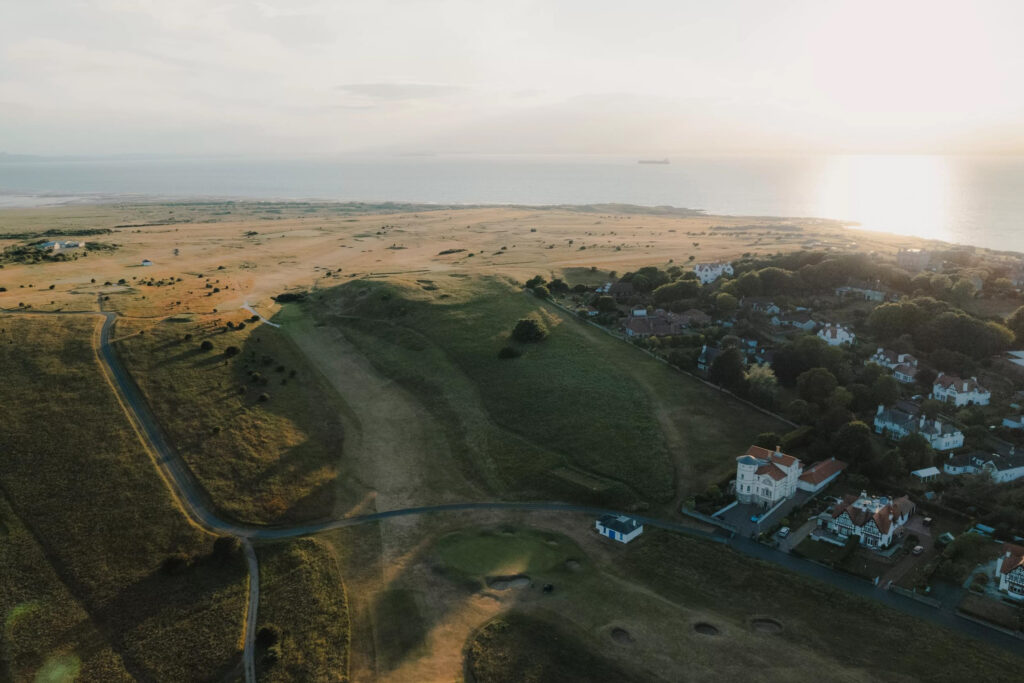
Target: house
x,y
1001,467
903,365
820,474
760,304
1016,357
619,528
58,245
906,418
1015,422
709,272
798,319
692,318
960,392
648,326
765,477
834,335
927,474
913,259
874,520
603,289
707,356
146,262
867,293
1010,571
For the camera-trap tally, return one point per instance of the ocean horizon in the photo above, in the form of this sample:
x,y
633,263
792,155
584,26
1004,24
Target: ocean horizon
x,y
967,200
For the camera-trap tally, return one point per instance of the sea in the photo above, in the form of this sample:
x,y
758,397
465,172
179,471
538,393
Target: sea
x,y
959,199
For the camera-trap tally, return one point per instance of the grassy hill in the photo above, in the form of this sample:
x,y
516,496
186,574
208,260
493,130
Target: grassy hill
x,y
256,428
578,415
89,525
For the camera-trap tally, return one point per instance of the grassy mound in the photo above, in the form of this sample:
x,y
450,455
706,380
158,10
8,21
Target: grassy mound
x,y
256,427
488,552
578,415
524,649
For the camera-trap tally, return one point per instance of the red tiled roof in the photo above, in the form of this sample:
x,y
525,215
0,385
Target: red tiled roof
x,y
772,456
960,385
772,471
1016,558
820,471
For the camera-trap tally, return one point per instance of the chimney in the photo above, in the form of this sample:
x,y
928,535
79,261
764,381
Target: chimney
x,y
778,450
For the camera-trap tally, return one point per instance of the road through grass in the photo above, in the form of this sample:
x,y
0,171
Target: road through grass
x,y
102,523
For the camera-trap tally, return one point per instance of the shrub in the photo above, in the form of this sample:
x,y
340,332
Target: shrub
x,y
541,291
207,345
231,351
529,330
263,398
267,636
509,352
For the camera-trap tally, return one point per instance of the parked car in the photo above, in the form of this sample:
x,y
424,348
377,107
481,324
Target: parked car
x,y
783,532
918,549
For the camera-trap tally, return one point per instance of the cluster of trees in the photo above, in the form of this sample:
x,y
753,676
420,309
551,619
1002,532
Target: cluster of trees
x,y
932,325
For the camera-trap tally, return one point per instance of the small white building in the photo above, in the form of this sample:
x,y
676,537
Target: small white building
x,y
709,272
1002,468
875,520
960,392
799,319
834,335
146,262
927,474
820,474
619,528
639,312
1010,571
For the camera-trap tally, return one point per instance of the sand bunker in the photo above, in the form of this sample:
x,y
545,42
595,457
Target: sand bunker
x,y
706,629
502,583
622,636
765,625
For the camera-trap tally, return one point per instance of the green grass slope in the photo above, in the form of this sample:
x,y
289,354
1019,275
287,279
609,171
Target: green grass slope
x,y
578,415
92,519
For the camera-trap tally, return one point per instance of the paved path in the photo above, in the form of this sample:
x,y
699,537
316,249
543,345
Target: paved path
x,y
193,499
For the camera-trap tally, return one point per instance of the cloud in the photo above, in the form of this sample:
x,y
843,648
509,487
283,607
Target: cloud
x,y
396,92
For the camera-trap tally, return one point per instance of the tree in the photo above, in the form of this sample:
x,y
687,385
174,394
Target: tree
x,y
885,390
529,330
749,284
962,292
726,303
816,385
674,291
762,383
605,304
1016,323
541,292
231,351
768,440
916,452
727,370
854,444
207,345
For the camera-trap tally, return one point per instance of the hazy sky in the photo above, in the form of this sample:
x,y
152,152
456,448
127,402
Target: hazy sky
x,y
506,76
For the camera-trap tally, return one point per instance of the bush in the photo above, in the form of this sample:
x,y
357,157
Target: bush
x,y
206,345
290,296
263,398
268,636
509,352
529,330
231,351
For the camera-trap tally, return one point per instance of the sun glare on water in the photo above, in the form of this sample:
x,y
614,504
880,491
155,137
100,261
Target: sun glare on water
x,y
908,195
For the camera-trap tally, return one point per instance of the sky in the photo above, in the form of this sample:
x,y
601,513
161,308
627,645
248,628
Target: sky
x,y
653,77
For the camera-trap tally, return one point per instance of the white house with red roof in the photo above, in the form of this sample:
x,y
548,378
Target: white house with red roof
x,y
1010,571
903,365
960,392
834,335
765,477
875,520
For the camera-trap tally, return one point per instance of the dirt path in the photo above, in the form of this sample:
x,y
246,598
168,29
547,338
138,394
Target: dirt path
x,y
394,445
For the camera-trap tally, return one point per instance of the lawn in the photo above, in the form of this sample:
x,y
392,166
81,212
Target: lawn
x,y
303,602
89,526
493,552
577,405
854,633
259,430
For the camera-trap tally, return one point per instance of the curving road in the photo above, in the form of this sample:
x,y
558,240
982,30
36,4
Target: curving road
x,y
196,504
